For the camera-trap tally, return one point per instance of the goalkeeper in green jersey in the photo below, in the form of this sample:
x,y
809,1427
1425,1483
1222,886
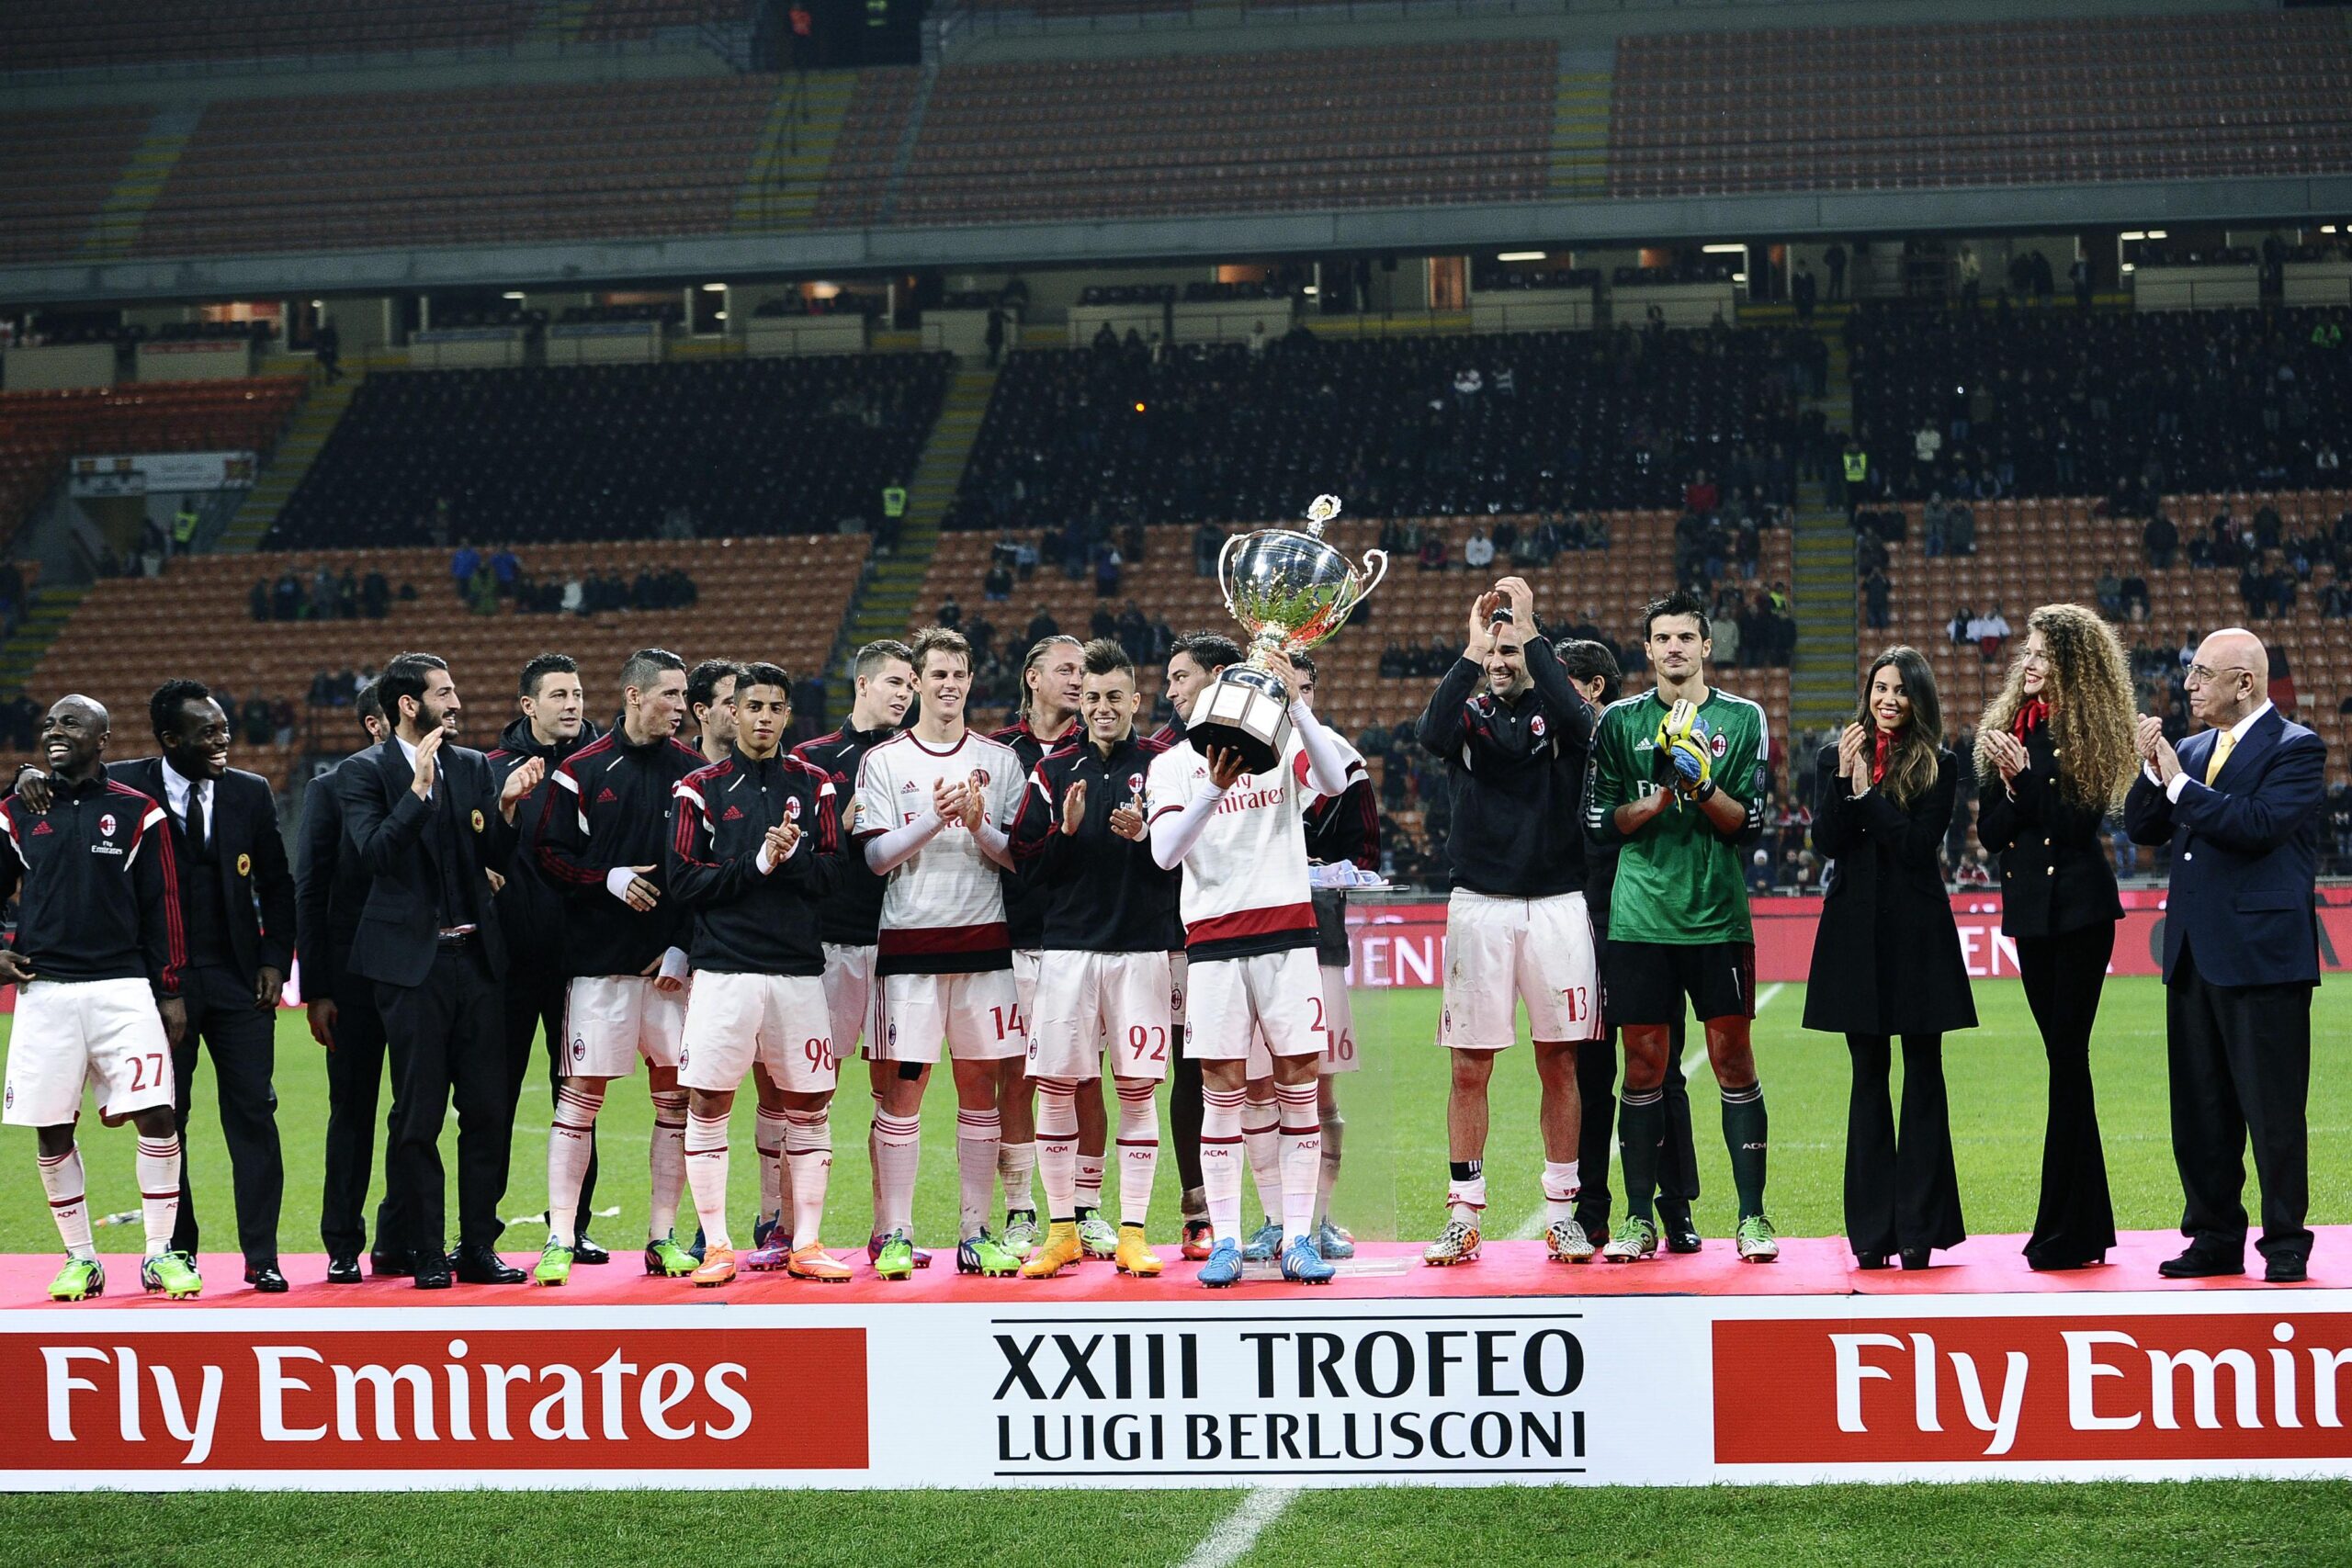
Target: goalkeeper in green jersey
x,y
1678,787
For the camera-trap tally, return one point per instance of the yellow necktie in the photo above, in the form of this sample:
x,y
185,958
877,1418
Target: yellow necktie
x,y
2221,749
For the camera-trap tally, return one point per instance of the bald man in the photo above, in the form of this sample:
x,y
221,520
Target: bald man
x,y
2239,803
96,964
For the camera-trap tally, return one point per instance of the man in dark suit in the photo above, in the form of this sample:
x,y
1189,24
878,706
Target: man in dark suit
x,y
429,820
330,889
2240,805
236,901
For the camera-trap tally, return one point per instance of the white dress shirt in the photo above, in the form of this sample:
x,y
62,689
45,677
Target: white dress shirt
x,y
176,792
2237,733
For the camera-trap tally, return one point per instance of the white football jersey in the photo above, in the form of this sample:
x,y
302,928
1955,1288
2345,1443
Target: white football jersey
x,y
942,909
1245,880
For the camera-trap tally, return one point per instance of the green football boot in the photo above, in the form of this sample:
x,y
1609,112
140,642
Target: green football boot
x,y
985,1255
81,1279
173,1273
665,1257
1096,1236
895,1258
554,1265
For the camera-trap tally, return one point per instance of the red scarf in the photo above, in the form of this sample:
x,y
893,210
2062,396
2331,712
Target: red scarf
x,y
1882,748
2031,713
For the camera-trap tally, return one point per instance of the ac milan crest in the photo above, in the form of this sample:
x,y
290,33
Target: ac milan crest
x,y
106,824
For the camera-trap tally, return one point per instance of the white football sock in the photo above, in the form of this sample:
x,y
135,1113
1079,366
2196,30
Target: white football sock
x,y
809,1148
1058,1145
1560,1187
1090,1181
668,1161
897,1155
1466,1200
69,1205
1302,1154
706,1155
1261,1137
775,1183
158,1168
1221,1157
977,1137
1138,1151
571,1141
1016,1166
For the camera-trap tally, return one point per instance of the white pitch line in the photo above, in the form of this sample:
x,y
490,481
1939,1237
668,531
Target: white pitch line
x,y
1535,1224
1236,1533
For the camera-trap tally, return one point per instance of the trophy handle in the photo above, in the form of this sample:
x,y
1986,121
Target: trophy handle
x,y
1224,582
1375,578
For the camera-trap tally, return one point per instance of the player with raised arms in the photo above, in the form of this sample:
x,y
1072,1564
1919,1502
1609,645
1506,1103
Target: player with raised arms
x,y
1678,782
932,805
1104,983
754,850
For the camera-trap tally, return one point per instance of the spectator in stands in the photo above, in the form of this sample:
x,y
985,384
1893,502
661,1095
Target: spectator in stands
x,y
281,720
1834,258
1133,633
258,601
1208,541
1041,626
463,564
2109,591
1878,595
996,586
256,720
1804,289
2160,539
327,346
1730,622
1990,632
285,598
1432,557
992,336
321,688
2134,597
951,613
1108,566
1478,550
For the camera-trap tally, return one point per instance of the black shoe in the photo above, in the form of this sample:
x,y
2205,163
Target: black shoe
x,y
432,1273
391,1265
2285,1270
586,1251
1869,1261
480,1265
2052,1262
2201,1263
1917,1257
341,1270
265,1278
1595,1227
1674,1226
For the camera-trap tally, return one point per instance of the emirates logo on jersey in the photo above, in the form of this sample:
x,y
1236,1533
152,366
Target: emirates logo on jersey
x,y
791,810
106,824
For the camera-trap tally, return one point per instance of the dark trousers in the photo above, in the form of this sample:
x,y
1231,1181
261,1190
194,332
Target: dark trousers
x,y
242,1040
355,1071
2241,1060
2062,975
1184,1111
1678,1161
1901,1189
449,1030
534,996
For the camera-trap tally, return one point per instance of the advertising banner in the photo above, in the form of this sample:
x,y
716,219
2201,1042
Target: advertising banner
x,y
1657,1389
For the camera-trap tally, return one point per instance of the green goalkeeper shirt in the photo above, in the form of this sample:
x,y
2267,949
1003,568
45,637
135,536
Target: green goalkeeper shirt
x,y
1678,878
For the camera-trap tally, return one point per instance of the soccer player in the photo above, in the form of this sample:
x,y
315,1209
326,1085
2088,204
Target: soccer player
x,y
754,850
602,839
850,919
1104,978
1678,782
1050,682
552,725
1514,733
1343,830
1250,947
96,963
932,807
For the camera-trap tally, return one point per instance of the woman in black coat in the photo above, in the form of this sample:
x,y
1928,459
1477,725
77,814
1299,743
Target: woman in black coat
x,y
2053,756
1886,959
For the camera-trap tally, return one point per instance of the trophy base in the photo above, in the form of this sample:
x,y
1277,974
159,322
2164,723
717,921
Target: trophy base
x,y
1243,710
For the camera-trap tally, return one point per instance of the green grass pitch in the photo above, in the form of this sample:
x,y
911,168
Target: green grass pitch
x,y
1392,1186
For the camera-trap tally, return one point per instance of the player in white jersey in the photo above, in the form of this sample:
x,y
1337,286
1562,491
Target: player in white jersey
x,y
1250,947
932,808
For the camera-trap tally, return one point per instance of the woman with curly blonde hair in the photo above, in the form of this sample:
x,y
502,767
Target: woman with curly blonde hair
x,y
2054,753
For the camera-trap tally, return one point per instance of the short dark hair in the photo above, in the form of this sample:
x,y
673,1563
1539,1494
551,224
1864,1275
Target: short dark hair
x,y
647,665
544,665
702,681
1210,651
1104,655
1584,660
877,653
940,639
164,708
1681,601
1304,664
370,701
405,676
760,673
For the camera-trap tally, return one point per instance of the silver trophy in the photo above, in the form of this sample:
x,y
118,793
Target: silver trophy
x,y
1290,590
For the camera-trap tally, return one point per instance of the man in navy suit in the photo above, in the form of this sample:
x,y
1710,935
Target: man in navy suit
x,y
2240,806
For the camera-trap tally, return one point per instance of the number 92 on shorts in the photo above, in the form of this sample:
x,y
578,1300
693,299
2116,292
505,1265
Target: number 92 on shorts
x,y
1092,1003
779,1019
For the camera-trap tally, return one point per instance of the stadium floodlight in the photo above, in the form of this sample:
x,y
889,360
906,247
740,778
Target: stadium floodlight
x,y
713,289
1521,255
513,294
1724,250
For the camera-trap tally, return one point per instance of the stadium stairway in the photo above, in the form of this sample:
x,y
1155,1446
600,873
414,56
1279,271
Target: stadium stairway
x,y
1580,126
884,604
794,151
1821,683
45,616
124,212
306,436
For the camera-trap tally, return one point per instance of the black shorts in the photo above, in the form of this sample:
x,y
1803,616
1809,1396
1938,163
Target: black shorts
x,y
1643,983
